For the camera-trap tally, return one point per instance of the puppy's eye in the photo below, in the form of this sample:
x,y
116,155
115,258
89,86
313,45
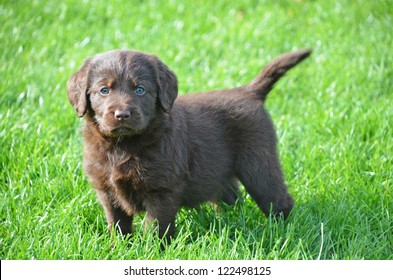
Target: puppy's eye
x,y
140,90
104,91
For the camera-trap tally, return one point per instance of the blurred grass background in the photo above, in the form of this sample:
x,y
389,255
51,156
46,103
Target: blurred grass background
x,y
333,115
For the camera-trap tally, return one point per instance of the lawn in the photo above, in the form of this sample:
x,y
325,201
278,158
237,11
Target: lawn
x,y
333,115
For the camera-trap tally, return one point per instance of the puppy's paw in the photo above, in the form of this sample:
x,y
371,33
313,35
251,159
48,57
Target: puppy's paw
x,y
283,207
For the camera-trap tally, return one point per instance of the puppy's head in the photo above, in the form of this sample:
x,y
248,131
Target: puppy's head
x,y
122,91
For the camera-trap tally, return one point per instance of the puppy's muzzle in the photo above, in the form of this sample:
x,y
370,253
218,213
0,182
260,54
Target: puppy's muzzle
x,y
122,115
122,121
121,118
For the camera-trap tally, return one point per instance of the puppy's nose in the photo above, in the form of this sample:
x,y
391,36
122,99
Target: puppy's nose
x,y
121,115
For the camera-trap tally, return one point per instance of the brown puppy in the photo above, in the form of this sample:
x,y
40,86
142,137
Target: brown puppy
x,y
145,150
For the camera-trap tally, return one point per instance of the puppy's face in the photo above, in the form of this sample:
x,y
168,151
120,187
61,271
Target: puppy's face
x,y
122,91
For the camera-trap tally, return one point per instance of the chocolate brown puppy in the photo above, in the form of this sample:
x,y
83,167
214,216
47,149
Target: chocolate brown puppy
x,y
145,149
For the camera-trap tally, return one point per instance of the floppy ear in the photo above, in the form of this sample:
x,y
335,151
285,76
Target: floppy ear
x,y
77,88
167,86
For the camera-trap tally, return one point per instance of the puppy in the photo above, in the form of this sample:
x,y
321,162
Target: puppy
x,y
147,150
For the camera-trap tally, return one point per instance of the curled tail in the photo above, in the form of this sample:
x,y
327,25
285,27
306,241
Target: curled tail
x,y
272,72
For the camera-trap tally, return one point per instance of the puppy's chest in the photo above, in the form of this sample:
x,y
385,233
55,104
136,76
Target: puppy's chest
x,y
127,173
117,171
121,171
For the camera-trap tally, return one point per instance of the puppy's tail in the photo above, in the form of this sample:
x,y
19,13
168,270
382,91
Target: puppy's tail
x,y
272,72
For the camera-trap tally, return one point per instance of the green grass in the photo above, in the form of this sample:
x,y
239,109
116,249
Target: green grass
x,y
333,115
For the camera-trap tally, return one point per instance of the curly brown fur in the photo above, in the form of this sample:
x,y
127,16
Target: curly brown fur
x,y
147,150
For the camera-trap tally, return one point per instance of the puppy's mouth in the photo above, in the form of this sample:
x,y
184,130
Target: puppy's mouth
x,y
109,128
123,131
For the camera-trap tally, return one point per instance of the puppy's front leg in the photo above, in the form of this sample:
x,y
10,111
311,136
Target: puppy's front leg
x,y
161,212
116,217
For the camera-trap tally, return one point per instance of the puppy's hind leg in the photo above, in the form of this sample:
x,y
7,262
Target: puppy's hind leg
x,y
262,177
231,193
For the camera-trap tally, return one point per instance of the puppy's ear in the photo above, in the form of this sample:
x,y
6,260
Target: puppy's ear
x,y
168,86
77,89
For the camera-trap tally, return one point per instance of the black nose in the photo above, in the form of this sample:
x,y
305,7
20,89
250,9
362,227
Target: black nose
x,y
121,115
